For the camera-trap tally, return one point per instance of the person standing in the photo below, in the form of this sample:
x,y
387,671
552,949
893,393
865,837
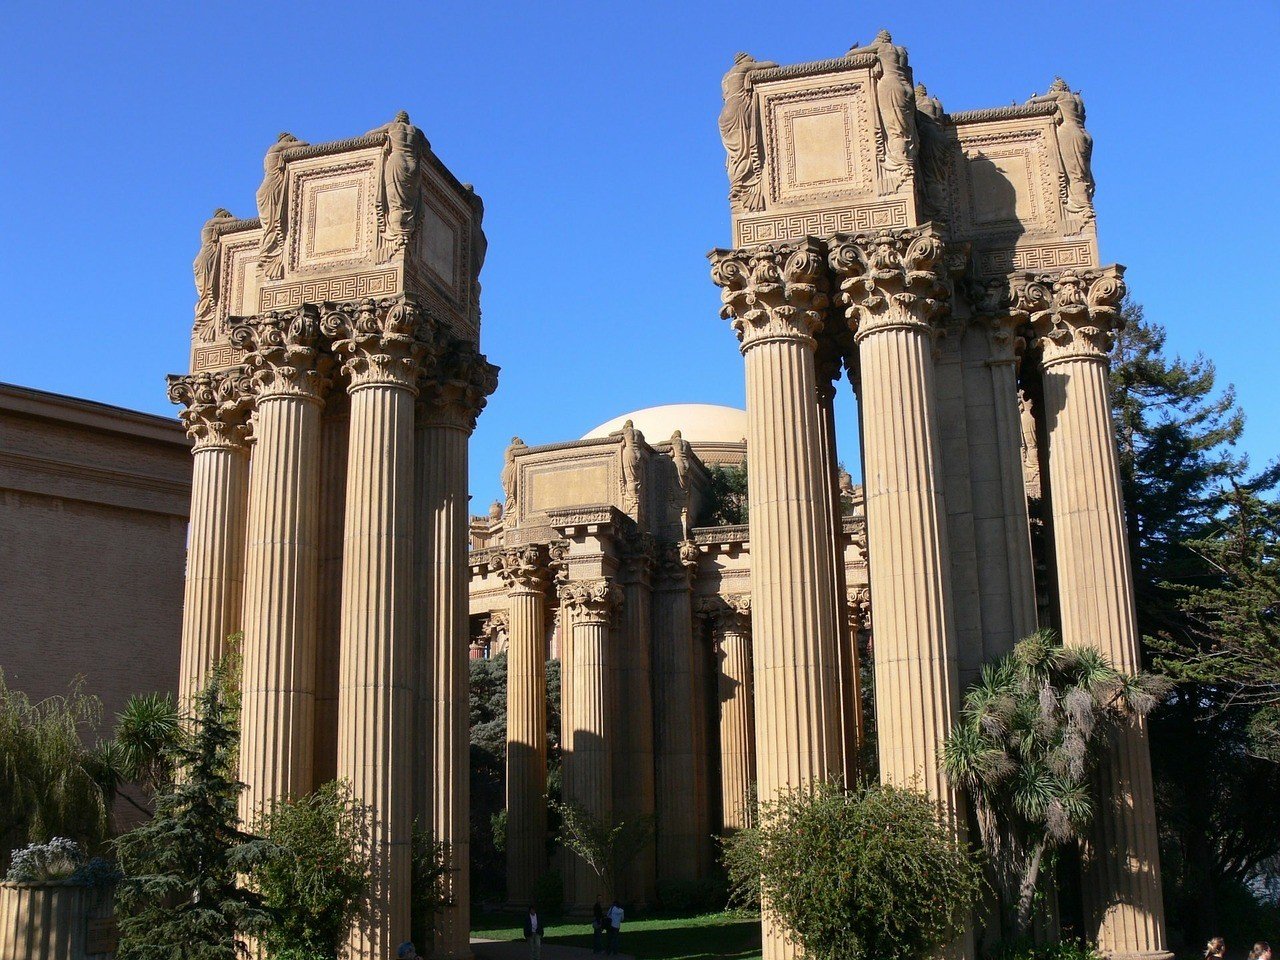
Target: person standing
x,y
1215,949
597,928
533,932
615,927
407,951
1261,951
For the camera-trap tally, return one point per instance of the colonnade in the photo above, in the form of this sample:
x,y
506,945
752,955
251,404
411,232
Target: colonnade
x,y
790,304
258,535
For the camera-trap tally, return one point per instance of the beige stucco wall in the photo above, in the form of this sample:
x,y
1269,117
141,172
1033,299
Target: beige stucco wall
x,y
93,508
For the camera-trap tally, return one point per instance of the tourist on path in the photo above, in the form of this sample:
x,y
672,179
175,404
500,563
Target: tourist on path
x,y
615,927
1261,951
533,932
407,951
597,928
1215,949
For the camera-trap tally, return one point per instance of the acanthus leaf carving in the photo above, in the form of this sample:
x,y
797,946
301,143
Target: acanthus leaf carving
x,y
382,342
215,407
773,292
591,601
457,386
891,279
1082,313
526,569
285,353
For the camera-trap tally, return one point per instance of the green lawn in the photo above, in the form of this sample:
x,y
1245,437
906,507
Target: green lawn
x,y
711,936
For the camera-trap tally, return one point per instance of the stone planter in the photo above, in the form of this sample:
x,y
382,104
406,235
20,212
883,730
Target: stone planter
x,y
56,920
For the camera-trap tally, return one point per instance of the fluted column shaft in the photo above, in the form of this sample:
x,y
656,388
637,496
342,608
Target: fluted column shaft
x,y
212,601
680,798
277,722
777,299
633,763
731,631
588,769
1095,591
442,490
525,573
892,288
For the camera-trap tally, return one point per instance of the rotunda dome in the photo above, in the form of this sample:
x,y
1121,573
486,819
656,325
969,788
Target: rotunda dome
x,y
697,423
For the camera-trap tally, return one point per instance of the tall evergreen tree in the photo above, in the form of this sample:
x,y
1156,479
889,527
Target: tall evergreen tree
x,y
1176,434
180,896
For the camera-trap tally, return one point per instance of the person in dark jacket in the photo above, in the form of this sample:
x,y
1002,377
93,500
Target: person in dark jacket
x,y
598,925
533,932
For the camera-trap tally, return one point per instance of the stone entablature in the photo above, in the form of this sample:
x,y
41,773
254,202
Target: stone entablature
x,y
371,217
854,145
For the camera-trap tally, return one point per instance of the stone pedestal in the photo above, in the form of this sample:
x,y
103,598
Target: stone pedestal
x,y
1095,584
892,287
777,297
526,575
375,690
214,415
277,721
588,770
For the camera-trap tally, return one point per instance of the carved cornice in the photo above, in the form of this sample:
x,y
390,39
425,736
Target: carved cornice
x,y
834,65
284,353
858,608
591,601
558,561
718,536
1014,112
892,280
215,408
776,292
455,389
725,614
1082,313
1004,305
383,342
603,514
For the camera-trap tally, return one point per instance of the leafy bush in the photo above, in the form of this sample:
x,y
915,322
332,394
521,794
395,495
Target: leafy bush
x,y
548,893
428,890
693,896
863,873
1058,950
314,874
740,857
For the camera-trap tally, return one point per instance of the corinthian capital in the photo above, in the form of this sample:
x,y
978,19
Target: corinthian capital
x,y
382,342
215,408
637,551
891,280
591,601
1004,305
677,563
730,613
1080,316
772,293
455,389
523,569
285,353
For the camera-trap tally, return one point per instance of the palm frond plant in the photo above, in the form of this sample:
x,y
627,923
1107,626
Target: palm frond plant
x,y
1030,732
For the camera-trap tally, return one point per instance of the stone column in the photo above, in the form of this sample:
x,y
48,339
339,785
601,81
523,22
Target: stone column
x,y
1095,594
828,365
375,686
730,620
893,288
215,408
588,774
525,572
452,398
277,720
1004,309
679,791
633,788
777,297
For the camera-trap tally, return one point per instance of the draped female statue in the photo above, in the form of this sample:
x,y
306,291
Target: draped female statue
x,y
740,131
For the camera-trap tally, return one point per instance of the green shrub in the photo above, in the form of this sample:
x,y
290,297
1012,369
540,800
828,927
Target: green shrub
x,y
740,857
315,874
548,893
864,874
693,896
1060,950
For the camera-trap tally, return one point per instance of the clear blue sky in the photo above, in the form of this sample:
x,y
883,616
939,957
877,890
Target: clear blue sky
x,y
590,131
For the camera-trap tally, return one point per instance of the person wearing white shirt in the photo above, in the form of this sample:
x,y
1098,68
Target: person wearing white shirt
x,y
615,927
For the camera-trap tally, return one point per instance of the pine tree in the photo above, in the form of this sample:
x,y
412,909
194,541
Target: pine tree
x,y
180,896
1176,434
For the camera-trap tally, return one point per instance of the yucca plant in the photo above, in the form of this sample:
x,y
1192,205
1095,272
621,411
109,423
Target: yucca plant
x,y
1025,749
